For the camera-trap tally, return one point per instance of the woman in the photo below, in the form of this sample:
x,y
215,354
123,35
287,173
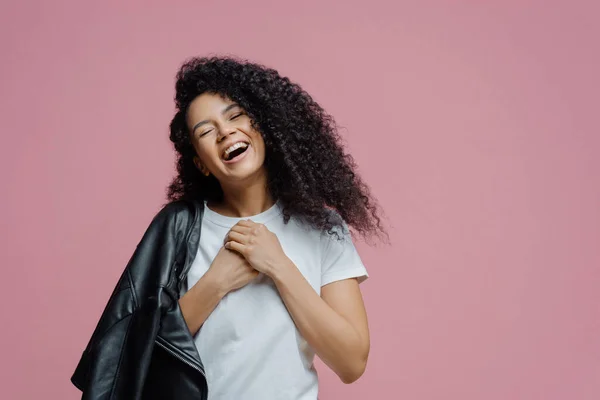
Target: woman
x,y
274,276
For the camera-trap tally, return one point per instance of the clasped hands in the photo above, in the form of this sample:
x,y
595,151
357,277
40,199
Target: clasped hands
x,y
258,245
249,248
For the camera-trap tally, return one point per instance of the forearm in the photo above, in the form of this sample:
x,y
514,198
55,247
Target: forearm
x,y
200,301
332,337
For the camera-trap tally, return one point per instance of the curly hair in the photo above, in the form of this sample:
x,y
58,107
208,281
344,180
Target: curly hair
x,y
307,168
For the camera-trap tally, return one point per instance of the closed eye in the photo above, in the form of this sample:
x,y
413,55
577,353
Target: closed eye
x,y
236,116
205,133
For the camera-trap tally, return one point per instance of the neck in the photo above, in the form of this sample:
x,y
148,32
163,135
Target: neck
x,y
245,200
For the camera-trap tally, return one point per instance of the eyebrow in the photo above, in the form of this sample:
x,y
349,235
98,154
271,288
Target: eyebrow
x,y
199,124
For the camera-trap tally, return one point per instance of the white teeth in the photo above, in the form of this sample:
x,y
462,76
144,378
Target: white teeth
x,y
233,147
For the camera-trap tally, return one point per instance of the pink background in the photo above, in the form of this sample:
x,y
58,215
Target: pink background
x,y
473,123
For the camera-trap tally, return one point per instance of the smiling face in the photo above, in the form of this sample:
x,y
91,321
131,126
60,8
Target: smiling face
x,y
227,146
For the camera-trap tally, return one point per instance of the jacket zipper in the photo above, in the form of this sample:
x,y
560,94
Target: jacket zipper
x,y
177,356
187,264
182,275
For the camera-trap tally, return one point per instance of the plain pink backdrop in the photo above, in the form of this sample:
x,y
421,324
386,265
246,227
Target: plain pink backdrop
x,y
474,125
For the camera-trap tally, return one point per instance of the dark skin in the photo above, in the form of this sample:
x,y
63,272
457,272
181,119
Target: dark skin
x,y
334,323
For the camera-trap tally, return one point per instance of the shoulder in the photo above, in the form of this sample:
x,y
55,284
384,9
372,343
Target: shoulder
x,y
177,214
179,208
340,229
340,258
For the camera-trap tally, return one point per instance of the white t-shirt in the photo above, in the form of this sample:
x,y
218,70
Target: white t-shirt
x,y
249,345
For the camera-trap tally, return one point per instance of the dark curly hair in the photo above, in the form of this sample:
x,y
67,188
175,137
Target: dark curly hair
x,y
307,168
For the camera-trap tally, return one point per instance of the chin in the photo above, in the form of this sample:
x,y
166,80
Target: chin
x,y
244,174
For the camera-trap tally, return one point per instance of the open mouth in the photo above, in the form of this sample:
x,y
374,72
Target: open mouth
x,y
235,150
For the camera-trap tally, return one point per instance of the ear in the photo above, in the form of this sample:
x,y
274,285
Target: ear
x,y
201,166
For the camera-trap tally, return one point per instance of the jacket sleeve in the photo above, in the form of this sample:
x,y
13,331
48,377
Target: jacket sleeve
x,y
115,361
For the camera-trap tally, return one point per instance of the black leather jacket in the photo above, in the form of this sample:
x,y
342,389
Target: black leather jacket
x,y
141,347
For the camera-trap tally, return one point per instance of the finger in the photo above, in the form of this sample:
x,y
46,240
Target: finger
x,y
241,229
236,237
237,232
246,223
235,246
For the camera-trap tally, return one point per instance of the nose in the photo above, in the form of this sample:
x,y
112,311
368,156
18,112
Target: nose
x,y
225,131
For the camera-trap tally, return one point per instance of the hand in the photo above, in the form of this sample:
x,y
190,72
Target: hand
x,y
231,271
259,246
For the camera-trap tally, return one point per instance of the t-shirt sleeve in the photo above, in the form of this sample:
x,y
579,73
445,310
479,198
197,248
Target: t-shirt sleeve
x,y
341,259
